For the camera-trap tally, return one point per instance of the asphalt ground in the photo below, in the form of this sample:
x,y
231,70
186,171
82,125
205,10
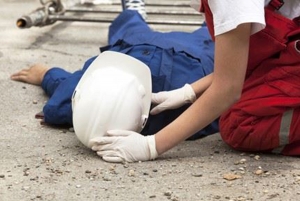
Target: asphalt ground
x,y
47,163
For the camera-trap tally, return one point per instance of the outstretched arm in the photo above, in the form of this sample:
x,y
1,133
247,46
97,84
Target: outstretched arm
x,y
231,56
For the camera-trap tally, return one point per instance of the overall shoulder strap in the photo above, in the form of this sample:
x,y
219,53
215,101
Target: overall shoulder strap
x,y
275,4
208,17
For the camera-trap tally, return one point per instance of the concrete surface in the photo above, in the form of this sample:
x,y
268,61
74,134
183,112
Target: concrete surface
x,y
43,163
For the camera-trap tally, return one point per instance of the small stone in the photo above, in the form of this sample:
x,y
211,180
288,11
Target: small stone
x,y
258,172
236,162
243,160
106,178
26,173
152,196
34,102
25,188
266,191
197,175
78,186
241,199
131,173
257,157
167,193
242,169
273,196
2,176
231,176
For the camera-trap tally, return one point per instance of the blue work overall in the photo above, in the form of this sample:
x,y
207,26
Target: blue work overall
x,y
174,58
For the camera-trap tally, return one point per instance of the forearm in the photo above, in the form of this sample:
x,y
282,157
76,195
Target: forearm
x,y
202,84
206,109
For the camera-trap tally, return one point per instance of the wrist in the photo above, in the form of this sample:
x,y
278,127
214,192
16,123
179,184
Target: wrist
x,y
189,93
152,147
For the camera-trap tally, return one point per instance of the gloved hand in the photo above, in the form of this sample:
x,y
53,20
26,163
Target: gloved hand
x,y
122,145
172,99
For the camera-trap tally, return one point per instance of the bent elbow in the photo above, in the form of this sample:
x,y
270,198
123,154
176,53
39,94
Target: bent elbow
x,y
230,93
237,92
234,96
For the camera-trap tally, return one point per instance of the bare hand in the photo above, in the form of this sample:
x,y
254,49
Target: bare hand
x,y
32,75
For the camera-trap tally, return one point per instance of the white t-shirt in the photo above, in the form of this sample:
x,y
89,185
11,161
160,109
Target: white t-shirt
x,y
228,14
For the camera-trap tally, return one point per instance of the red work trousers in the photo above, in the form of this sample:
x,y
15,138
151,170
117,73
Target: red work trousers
x,y
267,117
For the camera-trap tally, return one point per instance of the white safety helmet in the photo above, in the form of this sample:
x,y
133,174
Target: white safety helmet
x,y
113,93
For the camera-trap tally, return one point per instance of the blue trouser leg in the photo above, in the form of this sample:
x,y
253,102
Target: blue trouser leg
x,y
128,23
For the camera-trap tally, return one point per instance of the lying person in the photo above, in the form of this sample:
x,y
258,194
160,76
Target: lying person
x,y
175,60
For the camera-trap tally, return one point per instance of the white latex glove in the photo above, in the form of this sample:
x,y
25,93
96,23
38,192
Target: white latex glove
x,y
122,145
172,99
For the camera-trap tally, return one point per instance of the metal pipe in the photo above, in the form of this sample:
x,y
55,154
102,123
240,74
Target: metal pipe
x,y
105,10
53,10
92,19
162,4
39,17
35,18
